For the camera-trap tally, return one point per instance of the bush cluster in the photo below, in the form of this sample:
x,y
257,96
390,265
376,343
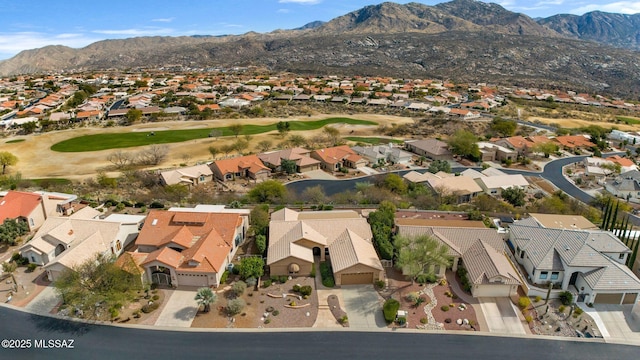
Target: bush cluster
x,y
390,310
464,279
150,307
524,302
327,275
566,298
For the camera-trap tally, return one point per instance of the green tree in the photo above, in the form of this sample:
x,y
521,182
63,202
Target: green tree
x,y
283,128
261,243
503,127
236,129
260,219
417,255
289,166
439,165
11,230
205,297
241,145
29,127
546,148
464,143
514,196
395,183
251,267
382,222
133,115
7,159
297,140
269,191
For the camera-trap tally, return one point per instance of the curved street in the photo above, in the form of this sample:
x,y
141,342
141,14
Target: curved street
x,y
116,342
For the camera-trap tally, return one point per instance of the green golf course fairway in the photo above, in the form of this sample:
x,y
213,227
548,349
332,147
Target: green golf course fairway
x,y
98,142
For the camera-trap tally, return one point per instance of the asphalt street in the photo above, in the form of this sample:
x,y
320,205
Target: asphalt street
x,y
109,342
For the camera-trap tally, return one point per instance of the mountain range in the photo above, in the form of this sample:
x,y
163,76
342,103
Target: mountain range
x,y
463,40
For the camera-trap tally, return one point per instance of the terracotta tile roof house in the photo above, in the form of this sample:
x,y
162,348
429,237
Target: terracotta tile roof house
x,y
574,141
190,248
33,208
304,162
65,242
344,236
482,252
625,164
244,167
589,263
431,148
518,143
334,158
190,176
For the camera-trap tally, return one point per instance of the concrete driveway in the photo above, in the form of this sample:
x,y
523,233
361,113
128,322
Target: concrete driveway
x,y
501,315
320,175
363,306
45,301
617,321
180,309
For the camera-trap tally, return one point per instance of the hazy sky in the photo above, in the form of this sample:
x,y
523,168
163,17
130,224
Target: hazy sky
x,y
28,24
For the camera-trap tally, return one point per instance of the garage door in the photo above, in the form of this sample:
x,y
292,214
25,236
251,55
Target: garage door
x,y
192,280
604,298
630,298
492,291
354,279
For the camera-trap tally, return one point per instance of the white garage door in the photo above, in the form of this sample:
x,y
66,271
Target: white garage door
x,y
492,291
192,280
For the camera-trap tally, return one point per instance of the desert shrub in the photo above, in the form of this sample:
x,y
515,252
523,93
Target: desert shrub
x,y
283,279
223,278
561,308
412,297
379,284
269,309
235,270
155,297
32,267
296,288
524,302
426,278
251,282
275,313
235,306
306,290
566,298
149,307
390,309
293,303
267,321
424,320
327,274
313,271
444,308
402,320
114,313
447,320
537,299
443,282
343,319
464,279
261,243
238,288
156,205
266,283
578,311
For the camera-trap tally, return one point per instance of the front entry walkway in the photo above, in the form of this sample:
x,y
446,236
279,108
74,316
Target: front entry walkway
x,y
180,309
363,305
501,315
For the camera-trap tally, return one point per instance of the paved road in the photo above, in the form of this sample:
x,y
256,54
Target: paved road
x,y
363,306
108,342
501,316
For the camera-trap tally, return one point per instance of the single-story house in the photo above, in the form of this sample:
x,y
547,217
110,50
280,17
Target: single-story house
x,y
296,238
493,185
589,263
386,153
190,176
431,148
463,187
304,162
493,152
190,248
334,158
244,167
34,208
480,251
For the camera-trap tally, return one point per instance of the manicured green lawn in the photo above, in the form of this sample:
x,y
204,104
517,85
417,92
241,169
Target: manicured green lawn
x,y
629,120
129,139
373,140
14,141
57,181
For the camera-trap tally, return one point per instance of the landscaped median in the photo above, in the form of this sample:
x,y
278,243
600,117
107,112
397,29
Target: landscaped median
x,y
98,142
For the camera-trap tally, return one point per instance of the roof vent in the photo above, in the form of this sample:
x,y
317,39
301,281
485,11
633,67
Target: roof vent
x,y
154,222
567,248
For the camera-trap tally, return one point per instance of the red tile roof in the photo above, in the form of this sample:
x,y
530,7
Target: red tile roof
x,y
234,165
18,204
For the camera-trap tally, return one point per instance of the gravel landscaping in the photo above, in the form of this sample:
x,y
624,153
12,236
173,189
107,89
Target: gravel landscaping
x,y
263,310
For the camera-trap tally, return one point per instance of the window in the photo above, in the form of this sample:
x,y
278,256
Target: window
x,y
31,222
555,275
201,178
543,275
33,259
621,256
118,245
522,255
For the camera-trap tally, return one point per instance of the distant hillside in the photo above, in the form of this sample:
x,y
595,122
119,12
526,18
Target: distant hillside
x,y
620,30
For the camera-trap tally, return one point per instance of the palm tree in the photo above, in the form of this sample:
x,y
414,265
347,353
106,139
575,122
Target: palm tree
x,y
418,254
205,297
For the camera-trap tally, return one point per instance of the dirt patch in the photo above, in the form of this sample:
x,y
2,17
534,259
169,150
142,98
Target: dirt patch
x,y
336,310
